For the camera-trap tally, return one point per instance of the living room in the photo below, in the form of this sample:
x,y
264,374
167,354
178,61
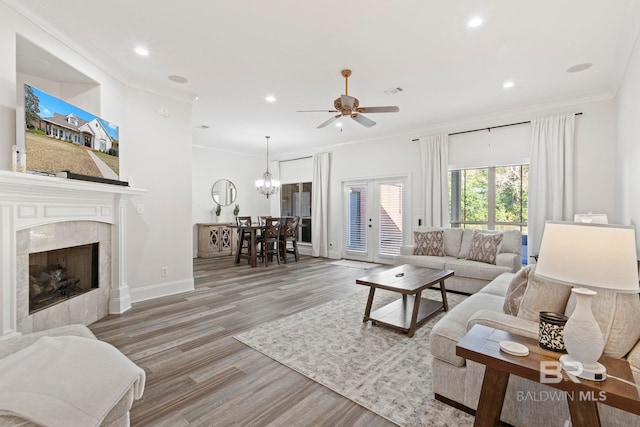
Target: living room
x,y
167,156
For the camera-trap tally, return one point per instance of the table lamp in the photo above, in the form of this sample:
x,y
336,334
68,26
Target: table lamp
x,y
589,257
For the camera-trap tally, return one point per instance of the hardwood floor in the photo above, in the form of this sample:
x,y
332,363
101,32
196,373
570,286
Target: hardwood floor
x,y
198,374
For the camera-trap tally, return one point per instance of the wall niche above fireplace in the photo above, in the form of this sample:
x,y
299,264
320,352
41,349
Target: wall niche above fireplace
x,y
59,275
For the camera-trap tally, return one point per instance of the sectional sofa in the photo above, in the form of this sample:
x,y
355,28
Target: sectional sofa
x,y
512,302
453,249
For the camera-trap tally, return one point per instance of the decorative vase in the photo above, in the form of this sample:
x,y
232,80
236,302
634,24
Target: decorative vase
x,y
582,335
552,331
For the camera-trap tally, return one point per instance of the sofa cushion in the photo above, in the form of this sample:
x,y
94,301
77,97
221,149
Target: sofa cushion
x,y
511,242
452,241
484,247
453,326
542,295
475,269
499,285
428,261
618,316
465,245
516,289
429,242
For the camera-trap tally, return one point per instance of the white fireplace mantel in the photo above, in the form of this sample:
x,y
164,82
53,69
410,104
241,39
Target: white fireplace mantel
x,y
28,200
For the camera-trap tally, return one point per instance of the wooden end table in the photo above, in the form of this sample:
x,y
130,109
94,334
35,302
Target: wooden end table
x,y
481,344
410,311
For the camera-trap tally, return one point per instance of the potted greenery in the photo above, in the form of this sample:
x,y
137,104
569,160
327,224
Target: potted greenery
x,y
218,212
236,210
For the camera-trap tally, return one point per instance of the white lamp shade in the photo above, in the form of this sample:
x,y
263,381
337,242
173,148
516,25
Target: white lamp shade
x,y
589,255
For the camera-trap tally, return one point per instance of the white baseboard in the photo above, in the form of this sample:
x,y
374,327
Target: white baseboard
x,y
160,290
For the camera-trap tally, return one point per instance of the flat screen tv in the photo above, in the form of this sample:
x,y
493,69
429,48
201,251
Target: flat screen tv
x,y
60,137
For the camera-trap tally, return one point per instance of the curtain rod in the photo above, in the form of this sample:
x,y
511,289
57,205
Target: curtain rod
x,y
489,128
299,158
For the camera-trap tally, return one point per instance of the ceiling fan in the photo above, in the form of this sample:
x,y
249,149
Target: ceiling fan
x,y
349,106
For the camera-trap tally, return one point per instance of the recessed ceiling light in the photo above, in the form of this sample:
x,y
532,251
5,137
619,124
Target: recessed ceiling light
x,y
475,22
270,98
196,98
508,84
141,51
178,79
579,67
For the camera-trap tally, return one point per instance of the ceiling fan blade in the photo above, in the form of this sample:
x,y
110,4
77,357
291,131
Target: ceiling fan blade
x,y
347,101
329,121
317,111
378,109
364,121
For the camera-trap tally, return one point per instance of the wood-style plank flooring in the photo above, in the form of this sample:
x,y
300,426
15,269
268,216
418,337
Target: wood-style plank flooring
x,y
198,374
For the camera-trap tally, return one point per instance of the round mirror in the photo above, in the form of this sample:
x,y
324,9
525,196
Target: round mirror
x,y
223,192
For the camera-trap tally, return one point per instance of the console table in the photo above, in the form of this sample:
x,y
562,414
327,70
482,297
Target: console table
x,y
216,239
481,344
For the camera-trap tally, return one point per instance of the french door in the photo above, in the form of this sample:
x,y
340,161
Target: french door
x,y
374,215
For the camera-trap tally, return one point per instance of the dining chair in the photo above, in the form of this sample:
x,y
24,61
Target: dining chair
x,y
289,233
244,238
270,240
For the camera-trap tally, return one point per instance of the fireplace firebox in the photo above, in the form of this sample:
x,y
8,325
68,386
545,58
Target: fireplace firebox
x,y
58,275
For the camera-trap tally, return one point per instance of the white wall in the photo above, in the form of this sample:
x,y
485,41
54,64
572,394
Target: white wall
x,y
155,153
210,165
628,156
595,170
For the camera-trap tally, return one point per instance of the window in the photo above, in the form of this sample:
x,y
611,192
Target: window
x,y
295,200
494,198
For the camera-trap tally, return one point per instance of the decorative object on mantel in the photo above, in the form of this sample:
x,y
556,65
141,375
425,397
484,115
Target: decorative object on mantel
x,y
588,256
236,210
14,158
267,185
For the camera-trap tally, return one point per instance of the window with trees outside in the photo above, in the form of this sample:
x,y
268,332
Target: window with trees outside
x,y
295,200
493,198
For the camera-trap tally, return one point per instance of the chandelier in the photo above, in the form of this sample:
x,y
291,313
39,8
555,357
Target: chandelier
x,y
267,185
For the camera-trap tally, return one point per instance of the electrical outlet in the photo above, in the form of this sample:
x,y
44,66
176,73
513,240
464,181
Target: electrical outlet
x,y
164,271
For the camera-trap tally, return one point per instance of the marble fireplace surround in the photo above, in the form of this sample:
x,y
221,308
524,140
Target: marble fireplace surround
x,y
42,213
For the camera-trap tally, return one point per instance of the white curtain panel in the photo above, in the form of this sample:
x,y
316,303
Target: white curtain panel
x,y
319,206
434,152
550,174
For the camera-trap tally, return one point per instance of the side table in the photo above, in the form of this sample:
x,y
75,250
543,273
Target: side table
x,y
481,344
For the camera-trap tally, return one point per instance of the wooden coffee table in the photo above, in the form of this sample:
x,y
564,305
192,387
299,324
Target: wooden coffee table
x,y
410,311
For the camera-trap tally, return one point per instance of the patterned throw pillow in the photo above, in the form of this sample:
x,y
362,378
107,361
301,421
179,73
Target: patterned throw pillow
x,y
514,294
484,247
429,243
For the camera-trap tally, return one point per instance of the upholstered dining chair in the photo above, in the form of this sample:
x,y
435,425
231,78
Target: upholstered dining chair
x,y
289,234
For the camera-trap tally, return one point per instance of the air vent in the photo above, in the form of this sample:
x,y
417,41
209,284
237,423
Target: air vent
x,y
393,90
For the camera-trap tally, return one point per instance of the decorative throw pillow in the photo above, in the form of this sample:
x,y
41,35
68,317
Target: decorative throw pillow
x,y
516,289
542,295
484,247
429,243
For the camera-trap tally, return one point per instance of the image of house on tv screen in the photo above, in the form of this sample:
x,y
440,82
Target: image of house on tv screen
x,y
61,137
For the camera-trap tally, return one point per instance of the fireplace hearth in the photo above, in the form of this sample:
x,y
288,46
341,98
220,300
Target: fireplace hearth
x,y
58,275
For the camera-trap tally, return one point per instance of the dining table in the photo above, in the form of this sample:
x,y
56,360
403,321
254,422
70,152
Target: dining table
x,y
252,229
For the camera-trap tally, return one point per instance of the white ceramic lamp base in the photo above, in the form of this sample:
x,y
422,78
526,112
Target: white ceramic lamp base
x,y
591,371
583,340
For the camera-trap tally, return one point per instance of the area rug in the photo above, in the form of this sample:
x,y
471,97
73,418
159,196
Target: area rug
x,y
379,368
354,264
